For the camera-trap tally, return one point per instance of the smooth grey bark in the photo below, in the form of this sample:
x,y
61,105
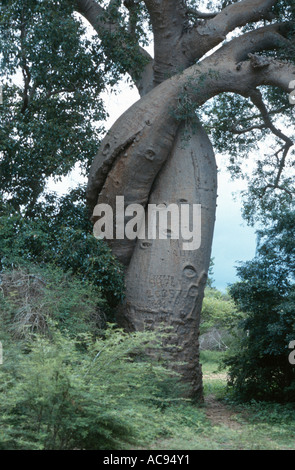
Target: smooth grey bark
x,y
145,158
165,283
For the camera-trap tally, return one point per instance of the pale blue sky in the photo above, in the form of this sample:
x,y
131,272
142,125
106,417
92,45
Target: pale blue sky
x,y
233,240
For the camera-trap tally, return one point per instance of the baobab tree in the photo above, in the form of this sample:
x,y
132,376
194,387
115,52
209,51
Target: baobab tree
x,y
158,151
219,76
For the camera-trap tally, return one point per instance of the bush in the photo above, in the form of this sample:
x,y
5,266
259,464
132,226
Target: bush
x,y
219,316
258,363
67,383
218,311
54,396
34,298
59,232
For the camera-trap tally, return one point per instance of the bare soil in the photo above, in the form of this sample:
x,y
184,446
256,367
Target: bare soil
x,y
220,414
217,412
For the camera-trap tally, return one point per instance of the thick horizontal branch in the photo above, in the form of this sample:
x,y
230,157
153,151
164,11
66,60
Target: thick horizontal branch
x,y
139,143
269,37
241,13
200,14
202,38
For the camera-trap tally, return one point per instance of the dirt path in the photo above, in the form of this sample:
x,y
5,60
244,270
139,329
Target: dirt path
x,y
219,414
216,411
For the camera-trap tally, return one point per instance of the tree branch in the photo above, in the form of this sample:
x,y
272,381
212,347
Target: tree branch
x,y
257,100
243,47
139,143
237,131
168,18
202,38
199,14
28,91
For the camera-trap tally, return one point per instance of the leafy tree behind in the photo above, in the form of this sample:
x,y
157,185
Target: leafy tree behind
x,y
218,311
259,367
59,233
52,78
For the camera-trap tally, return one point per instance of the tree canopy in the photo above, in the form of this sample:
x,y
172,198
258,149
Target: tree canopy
x,y
53,72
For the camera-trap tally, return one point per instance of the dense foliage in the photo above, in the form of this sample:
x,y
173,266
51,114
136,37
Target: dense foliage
x,y
59,232
218,311
252,139
52,75
53,70
65,383
259,367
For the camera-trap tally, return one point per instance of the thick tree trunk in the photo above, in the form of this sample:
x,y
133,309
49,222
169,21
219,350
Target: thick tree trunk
x,y
145,159
164,283
149,158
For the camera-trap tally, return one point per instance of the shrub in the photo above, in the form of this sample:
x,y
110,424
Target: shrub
x,y
66,382
218,318
34,298
258,363
59,232
218,311
55,396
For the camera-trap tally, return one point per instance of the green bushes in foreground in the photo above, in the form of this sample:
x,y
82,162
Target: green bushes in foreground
x,y
65,385
54,396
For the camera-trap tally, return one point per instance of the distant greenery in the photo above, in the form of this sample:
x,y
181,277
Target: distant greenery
x,y
258,366
218,311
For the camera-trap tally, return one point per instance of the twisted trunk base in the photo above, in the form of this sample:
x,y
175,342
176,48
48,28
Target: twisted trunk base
x,y
164,283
